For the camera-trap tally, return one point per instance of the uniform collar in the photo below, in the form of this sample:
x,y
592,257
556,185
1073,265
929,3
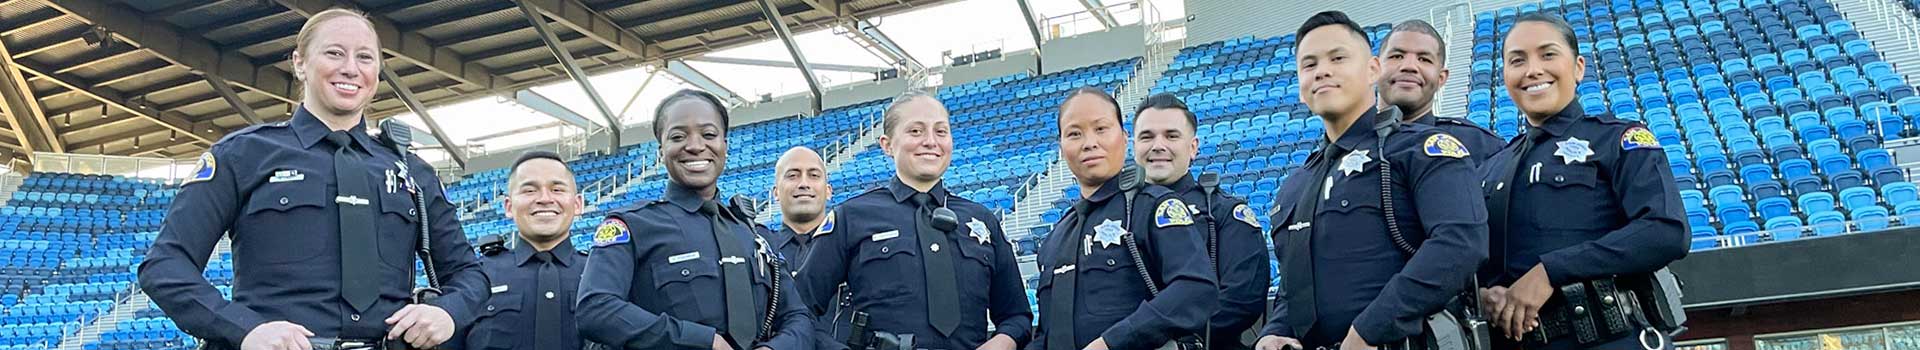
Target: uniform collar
x,y
901,192
1107,190
1360,134
1557,124
311,131
784,236
1186,182
523,252
1427,119
684,197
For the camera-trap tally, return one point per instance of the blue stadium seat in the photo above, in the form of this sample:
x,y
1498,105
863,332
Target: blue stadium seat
x,y
1816,202
1827,223
1870,218
1771,208
1785,228
1898,193
1857,198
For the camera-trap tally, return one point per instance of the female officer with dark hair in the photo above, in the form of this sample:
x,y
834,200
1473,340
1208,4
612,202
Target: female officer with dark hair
x,y
689,271
1574,202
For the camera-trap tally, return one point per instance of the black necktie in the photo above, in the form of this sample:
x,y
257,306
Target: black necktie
x,y
1500,200
1298,280
1059,317
548,311
354,196
734,272
942,299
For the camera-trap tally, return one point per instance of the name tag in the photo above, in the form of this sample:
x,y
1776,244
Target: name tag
x,y
286,176
499,289
683,257
886,235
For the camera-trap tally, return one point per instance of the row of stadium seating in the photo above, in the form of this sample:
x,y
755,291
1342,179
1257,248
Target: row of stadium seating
x,y
71,243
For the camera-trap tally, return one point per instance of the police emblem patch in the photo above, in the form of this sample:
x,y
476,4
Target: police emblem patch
x,y
1443,145
611,232
826,226
203,170
1246,215
1172,212
1638,138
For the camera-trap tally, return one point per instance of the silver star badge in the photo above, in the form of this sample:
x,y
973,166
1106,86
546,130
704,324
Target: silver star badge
x,y
1354,162
978,230
1108,233
1573,150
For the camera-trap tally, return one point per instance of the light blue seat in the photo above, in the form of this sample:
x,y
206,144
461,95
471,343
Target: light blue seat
x,y
1870,218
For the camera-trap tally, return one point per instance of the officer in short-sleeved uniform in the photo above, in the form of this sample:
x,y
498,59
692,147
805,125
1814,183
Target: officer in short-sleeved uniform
x,y
1592,198
875,249
1239,255
655,280
1481,143
530,302
1341,268
1090,287
271,188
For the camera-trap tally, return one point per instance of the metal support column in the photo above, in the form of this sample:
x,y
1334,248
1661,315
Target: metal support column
x,y
406,96
1033,26
233,98
786,37
539,24
23,109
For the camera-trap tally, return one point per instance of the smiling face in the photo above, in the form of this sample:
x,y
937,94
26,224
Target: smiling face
x,y
339,66
1542,70
693,143
543,201
1091,139
1164,144
1413,72
920,141
800,185
1335,69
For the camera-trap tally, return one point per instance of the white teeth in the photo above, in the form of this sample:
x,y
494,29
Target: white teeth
x,y
697,165
546,213
348,87
1540,87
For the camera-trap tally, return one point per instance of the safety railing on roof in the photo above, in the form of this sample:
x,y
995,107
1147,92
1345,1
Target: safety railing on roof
x,y
1089,20
170,170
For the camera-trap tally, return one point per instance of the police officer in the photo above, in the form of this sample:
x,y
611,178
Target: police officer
x,y
324,221
534,274
1578,199
1164,146
686,271
801,190
1381,228
1103,286
1415,59
923,268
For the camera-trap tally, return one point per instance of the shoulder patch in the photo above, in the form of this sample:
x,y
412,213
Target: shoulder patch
x,y
1172,212
611,232
1443,145
1246,215
826,227
1638,138
203,170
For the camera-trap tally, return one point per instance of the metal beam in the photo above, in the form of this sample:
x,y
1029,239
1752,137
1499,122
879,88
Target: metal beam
x,y
1099,13
505,133
560,52
833,8
203,132
1033,27
24,113
787,64
233,99
97,59
408,45
865,30
793,48
722,24
36,18
471,11
699,80
186,49
541,103
595,25
680,12
406,96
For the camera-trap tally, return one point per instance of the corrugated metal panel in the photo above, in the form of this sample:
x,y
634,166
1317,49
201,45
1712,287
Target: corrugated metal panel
x,y
248,29
485,22
424,10
220,11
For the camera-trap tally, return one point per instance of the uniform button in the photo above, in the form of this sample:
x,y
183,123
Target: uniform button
x,y
684,272
412,212
489,307
1343,202
935,247
1607,300
355,317
883,249
1109,262
283,200
1558,178
549,295
1579,310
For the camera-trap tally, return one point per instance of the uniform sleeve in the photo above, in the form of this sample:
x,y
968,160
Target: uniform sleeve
x,y
1189,298
1244,270
1007,299
1656,231
825,270
1289,191
604,315
1453,213
795,330
462,284
172,272
1043,294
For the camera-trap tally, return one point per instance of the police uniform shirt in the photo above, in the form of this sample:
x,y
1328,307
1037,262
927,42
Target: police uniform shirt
x,y
1593,198
793,246
530,303
1110,299
653,281
874,249
270,188
1481,143
1361,278
1240,258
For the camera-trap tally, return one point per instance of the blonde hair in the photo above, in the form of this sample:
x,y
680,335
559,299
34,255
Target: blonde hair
x,y
305,37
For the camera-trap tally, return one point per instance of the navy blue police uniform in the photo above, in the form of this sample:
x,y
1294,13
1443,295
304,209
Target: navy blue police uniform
x,y
1093,288
889,258
1341,265
530,303
1591,197
1481,143
656,280
273,190
1239,255
794,247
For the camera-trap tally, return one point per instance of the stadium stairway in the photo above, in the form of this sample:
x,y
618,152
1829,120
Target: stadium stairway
x,y
1452,100
1882,21
124,310
8,184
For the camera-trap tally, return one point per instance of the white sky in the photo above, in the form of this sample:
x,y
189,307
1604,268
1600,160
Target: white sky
x,y
923,33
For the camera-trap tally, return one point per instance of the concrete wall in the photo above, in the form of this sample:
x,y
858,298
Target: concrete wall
x,y
1093,48
1009,63
1215,20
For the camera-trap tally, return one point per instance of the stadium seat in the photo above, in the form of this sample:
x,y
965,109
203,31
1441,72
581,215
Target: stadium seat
x,y
1870,218
1784,228
1827,223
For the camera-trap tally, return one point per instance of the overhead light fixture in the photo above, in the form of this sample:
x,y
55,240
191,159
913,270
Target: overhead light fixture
x,y
103,111
136,142
173,136
67,120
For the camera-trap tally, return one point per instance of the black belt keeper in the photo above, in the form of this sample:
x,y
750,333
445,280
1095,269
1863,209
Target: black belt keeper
x,y
1612,318
1576,303
857,337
